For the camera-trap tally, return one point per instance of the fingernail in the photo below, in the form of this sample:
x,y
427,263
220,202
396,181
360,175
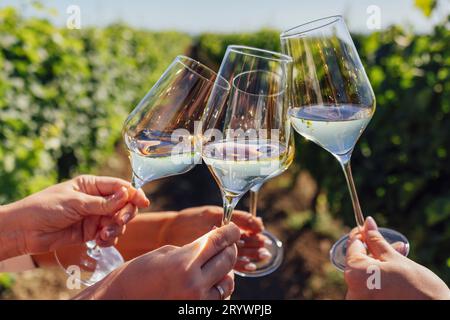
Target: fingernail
x,y
371,224
243,259
268,242
147,202
240,243
263,253
403,249
110,233
119,194
126,218
250,267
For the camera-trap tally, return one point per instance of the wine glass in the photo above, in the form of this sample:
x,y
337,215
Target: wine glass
x,y
332,101
159,135
246,138
272,243
160,132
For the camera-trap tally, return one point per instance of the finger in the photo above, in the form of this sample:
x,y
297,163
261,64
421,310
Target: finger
x,y
209,245
115,226
111,232
125,215
89,227
227,285
138,197
247,222
400,247
355,247
252,241
105,244
98,205
244,264
100,186
355,231
377,245
219,265
356,258
258,254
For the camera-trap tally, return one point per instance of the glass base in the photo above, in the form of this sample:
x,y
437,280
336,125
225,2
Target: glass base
x,y
339,249
90,263
263,268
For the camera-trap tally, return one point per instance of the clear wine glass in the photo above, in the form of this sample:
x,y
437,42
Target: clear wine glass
x,y
272,244
159,135
332,101
246,138
160,132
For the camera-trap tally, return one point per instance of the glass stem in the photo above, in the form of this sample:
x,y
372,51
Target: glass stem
x,y
253,202
345,163
229,202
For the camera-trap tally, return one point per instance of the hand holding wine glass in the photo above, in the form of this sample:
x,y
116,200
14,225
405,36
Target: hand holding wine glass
x,y
84,208
199,270
332,101
246,137
401,278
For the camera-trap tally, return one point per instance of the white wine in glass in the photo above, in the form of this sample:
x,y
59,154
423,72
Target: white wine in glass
x,y
236,164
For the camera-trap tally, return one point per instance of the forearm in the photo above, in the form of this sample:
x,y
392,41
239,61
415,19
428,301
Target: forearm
x,y
12,240
146,232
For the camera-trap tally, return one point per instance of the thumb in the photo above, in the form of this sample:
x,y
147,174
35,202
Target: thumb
x,y
98,205
378,246
213,242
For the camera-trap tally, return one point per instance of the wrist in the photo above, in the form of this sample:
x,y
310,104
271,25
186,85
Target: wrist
x,y
12,235
107,289
165,235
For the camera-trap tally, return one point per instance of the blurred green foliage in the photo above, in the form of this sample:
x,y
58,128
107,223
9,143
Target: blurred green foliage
x,y
6,282
427,6
64,95
401,163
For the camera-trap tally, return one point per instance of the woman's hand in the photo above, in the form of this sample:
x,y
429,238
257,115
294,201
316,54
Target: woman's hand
x,y
84,208
400,277
191,223
189,272
153,230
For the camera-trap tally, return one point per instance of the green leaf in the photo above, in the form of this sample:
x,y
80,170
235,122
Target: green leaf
x,y
426,6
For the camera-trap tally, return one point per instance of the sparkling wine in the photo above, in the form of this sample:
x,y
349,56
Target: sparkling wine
x,y
154,155
239,165
335,128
